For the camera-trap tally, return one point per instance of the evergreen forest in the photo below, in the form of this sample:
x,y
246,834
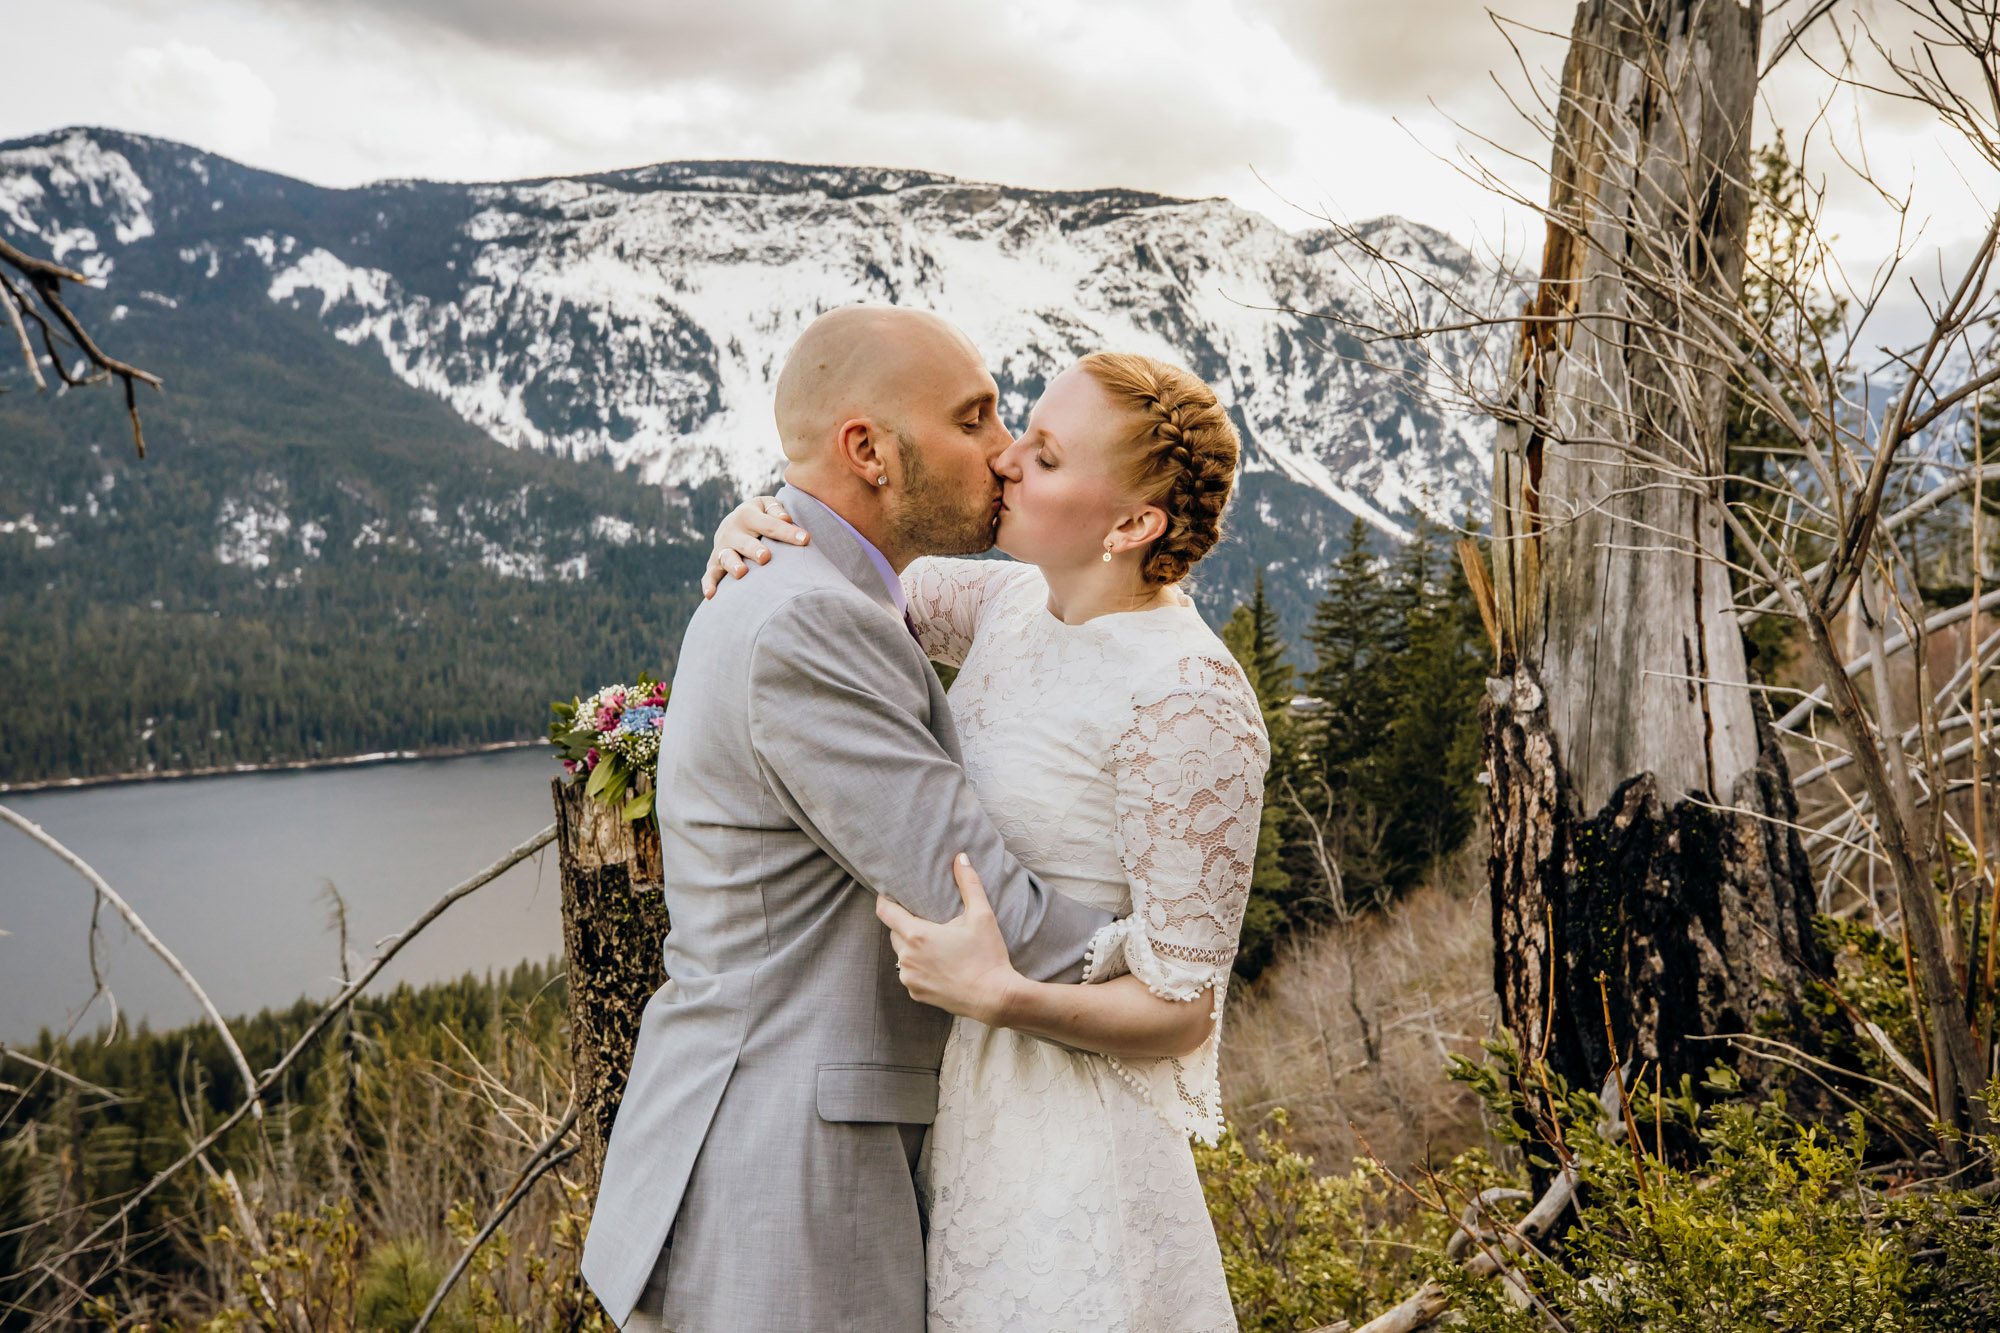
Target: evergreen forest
x,y
1374,744
314,560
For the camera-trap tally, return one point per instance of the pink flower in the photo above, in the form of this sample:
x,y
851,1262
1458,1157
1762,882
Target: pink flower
x,y
590,759
569,765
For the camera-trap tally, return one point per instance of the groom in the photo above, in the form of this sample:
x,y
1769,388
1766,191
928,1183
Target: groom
x,y
759,1175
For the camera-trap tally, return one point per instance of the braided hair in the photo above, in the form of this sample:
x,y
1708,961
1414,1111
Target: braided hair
x,y
1183,454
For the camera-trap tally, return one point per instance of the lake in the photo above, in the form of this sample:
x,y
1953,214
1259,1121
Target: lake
x,y
230,872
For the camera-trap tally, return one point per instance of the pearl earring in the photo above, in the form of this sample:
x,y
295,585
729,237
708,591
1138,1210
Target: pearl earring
x,y
1107,553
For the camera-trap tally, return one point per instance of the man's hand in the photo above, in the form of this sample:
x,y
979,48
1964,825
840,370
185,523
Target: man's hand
x,y
741,539
960,966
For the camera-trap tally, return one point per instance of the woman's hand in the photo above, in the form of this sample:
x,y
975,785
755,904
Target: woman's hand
x,y
741,539
960,966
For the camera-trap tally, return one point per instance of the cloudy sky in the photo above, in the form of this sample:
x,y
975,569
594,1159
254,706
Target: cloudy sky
x,y
1346,107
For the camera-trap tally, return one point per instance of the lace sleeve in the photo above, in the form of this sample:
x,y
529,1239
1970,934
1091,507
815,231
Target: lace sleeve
x,y
947,598
1190,772
1190,777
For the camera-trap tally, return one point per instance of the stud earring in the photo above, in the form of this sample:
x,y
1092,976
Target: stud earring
x,y
882,480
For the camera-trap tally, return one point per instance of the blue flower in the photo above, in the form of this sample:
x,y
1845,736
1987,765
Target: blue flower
x,y
637,721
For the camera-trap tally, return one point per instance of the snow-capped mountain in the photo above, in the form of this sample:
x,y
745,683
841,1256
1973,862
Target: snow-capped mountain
x,y
642,315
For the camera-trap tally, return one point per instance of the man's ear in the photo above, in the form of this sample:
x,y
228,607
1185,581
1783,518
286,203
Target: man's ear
x,y
1144,525
855,450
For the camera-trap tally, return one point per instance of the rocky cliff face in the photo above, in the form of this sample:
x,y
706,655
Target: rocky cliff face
x,y
641,316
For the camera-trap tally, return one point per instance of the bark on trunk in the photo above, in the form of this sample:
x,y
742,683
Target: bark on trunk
x,y
1685,910
613,922
1621,712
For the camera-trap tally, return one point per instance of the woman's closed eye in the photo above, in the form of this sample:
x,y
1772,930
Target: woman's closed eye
x,y
1044,462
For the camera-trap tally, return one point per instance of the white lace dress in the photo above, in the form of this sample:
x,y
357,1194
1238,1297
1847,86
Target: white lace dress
x,y
1123,760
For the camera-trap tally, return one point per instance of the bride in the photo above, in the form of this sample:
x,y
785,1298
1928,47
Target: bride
x,y
1121,754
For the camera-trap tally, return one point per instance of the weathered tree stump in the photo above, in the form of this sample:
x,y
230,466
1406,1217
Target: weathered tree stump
x,y
613,921
1690,911
1623,714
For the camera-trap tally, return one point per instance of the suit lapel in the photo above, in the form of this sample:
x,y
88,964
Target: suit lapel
x,y
832,540
837,545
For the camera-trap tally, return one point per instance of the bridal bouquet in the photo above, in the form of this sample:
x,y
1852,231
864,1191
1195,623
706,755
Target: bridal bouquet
x,y
610,739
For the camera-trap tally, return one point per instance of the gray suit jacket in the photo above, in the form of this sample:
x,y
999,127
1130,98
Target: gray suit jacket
x,y
782,1074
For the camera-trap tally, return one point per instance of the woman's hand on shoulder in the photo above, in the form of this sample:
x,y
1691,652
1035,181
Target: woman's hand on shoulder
x,y
741,539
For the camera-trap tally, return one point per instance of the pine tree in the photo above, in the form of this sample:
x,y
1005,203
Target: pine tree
x,y
1350,636
1334,796
1431,750
1252,637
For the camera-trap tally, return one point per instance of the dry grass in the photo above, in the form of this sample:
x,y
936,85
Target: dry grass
x,y
1349,1031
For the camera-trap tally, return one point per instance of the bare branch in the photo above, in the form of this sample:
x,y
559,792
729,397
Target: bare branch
x,y
537,1165
385,952
45,280
145,933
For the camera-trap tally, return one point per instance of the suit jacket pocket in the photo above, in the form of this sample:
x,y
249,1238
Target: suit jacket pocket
x,y
892,1094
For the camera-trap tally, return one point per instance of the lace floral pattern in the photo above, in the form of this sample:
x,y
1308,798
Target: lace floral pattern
x,y
1190,792
946,597
1123,761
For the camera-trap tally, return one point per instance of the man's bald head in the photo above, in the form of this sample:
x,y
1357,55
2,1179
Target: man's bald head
x,y
863,361
890,418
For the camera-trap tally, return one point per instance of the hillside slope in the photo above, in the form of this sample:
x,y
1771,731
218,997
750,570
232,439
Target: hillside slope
x,y
425,440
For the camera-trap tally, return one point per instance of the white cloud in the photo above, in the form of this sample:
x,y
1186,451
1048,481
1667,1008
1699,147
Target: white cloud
x,y
197,96
1326,104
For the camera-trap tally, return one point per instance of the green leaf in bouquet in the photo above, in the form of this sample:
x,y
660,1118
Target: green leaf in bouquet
x,y
638,807
604,778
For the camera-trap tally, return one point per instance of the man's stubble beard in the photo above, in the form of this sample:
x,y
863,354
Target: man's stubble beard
x,y
932,517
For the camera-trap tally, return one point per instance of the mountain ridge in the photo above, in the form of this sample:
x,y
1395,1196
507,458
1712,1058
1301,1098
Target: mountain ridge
x,y
681,244
423,440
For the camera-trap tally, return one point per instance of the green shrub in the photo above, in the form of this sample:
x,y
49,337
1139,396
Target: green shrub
x,y
1778,1227
396,1285
1301,1249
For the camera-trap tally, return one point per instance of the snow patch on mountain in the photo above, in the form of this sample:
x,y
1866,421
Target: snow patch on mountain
x,y
75,170
249,527
596,319
642,316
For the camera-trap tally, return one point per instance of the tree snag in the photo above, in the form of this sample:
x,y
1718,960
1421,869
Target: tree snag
x,y
613,921
1641,811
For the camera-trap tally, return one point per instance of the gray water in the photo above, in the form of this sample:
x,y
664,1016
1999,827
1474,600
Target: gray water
x,y
229,872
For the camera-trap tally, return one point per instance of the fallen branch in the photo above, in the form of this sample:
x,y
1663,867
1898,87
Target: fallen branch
x,y
1427,1304
139,928
1894,643
387,951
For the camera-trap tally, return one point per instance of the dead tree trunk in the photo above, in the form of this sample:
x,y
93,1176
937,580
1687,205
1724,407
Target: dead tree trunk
x,y
613,922
1620,720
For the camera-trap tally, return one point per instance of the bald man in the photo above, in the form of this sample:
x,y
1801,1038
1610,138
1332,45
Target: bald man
x,y
760,1176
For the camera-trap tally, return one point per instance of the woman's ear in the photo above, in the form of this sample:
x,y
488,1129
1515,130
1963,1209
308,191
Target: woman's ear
x,y
1143,526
